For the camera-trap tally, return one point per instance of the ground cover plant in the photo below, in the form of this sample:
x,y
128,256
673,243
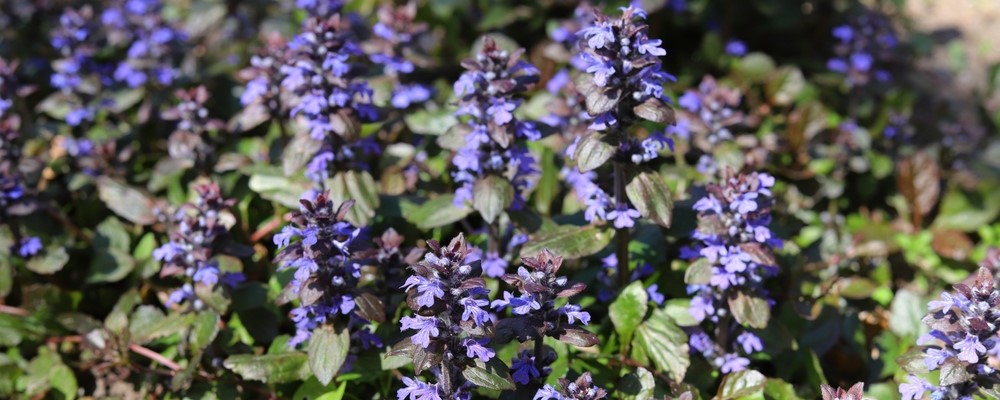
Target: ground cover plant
x,y
439,199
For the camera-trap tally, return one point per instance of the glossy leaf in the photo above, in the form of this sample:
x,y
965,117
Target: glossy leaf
x,y
650,195
327,352
569,242
491,196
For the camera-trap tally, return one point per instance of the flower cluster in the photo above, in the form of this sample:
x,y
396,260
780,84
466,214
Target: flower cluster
x,y
319,246
317,72
534,310
199,232
626,76
581,389
864,49
961,343
78,73
449,299
154,44
710,113
188,141
734,257
13,199
486,93
856,392
263,76
393,46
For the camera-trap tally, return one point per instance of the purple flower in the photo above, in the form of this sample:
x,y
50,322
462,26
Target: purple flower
x,y
623,217
426,328
573,313
690,101
914,389
654,294
416,390
29,246
970,348
523,369
519,305
750,342
475,349
473,310
733,363
736,48
494,266
427,290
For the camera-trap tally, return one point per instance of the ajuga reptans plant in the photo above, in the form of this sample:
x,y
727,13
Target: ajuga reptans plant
x,y
733,257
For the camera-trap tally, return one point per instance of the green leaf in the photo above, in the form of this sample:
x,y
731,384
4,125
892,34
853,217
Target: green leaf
x,y
111,234
785,85
126,201
780,390
148,323
437,212
299,151
110,265
680,311
699,272
117,319
481,377
661,341
742,384
905,314
967,211
327,352
434,123
650,195
53,259
357,186
755,67
547,187
592,152
749,310
638,385
270,368
491,196
271,184
570,242
628,310
203,330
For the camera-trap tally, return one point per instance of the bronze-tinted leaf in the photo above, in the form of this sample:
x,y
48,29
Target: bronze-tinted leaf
x,y
577,337
650,195
592,152
655,110
370,308
491,196
750,310
918,178
127,202
699,272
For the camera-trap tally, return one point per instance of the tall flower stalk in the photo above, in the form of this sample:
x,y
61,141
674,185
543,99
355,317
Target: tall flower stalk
x,y
733,260
535,314
962,343
198,233
319,246
623,86
493,166
448,297
318,73
15,200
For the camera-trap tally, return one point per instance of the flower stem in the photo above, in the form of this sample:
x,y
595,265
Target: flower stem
x,y
621,234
